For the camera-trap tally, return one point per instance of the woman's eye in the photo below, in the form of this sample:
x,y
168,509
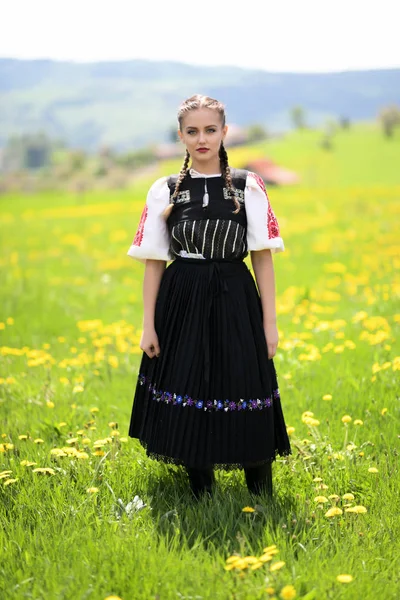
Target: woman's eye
x,y
191,132
210,130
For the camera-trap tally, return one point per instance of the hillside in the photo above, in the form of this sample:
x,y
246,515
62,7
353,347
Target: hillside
x,y
133,103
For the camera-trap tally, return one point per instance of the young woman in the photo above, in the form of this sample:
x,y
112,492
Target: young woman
x,y
207,394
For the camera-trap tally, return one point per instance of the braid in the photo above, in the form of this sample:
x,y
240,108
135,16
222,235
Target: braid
x,y
181,177
226,174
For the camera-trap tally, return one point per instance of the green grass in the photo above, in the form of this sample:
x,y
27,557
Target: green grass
x,y
71,317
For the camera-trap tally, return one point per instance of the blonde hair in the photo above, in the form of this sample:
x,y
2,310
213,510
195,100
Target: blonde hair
x,y
194,103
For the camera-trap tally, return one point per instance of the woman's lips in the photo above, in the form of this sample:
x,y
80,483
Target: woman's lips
x,y
202,149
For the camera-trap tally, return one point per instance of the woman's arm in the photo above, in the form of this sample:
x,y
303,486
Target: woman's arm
x,y
153,273
263,267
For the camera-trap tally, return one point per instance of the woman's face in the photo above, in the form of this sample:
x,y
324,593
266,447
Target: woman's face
x,y
202,134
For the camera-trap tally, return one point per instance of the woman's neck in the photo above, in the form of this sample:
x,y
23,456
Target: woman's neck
x,y
207,168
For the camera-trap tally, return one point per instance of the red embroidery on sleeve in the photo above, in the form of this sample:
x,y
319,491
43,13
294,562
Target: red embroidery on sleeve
x,y
139,233
259,181
273,227
272,223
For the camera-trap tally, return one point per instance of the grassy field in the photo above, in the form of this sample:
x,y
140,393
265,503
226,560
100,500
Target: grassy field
x,y
85,515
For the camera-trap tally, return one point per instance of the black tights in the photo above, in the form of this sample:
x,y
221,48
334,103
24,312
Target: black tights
x,y
258,479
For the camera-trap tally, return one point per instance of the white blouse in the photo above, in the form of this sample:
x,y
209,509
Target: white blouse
x,y
152,238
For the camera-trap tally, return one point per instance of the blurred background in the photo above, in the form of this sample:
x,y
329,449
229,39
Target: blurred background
x,y
89,92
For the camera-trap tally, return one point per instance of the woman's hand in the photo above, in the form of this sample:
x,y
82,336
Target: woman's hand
x,y
272,337
149,343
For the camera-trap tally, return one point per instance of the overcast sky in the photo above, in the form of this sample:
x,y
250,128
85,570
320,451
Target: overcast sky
x,y
279,35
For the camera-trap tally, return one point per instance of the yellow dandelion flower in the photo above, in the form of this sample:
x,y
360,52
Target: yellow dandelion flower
x,y
384,411
10,481
320,499
351,447
10,321
72,440
266,557
256,565
270,591
358,422
82,455
361,454
334,497
232,559
356,509
278,565
58,452
307,413
269,549
77,389
334,512
115,433
23,437
327,397
251,560
50,404
38,441
94,409
290,430
288,592
5,473
98,453
248,509
344,578
317,479
92,490
46,470
373,470
346,419
112,424
113,598
27,463
348,496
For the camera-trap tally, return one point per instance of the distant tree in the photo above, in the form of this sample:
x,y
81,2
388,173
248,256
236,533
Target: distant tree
x,y
256,132
344,122
297,114
173,135
29,151
389,117
76,160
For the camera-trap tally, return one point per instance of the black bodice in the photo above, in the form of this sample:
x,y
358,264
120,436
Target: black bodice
x,y
208,230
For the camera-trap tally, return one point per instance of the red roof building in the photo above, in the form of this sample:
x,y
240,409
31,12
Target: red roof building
x,y
272,173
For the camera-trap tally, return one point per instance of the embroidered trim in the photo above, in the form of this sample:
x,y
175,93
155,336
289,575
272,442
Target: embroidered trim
x,y
209,405
260,181
140,230
272,223
239,194
182,197
273,227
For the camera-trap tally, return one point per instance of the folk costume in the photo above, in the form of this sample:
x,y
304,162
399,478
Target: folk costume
x,y
211,399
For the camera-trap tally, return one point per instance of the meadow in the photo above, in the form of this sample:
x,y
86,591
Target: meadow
x,y
85,514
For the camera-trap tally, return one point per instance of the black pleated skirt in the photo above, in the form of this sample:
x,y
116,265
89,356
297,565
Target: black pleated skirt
x,y
211,398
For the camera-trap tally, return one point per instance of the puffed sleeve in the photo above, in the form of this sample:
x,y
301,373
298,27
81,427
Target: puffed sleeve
x,y
152,237
262,225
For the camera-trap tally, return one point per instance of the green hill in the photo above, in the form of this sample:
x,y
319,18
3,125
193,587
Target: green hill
x,y
133,103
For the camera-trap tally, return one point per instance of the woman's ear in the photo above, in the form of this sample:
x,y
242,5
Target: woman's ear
x,y
224,131
180,135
